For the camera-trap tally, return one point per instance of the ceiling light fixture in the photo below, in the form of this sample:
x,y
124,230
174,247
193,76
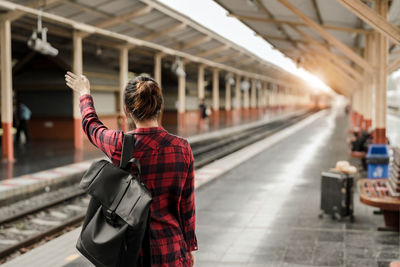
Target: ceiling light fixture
x,y
40,44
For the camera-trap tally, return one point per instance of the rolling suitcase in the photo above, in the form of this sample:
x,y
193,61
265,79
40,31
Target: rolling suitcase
x,y
337,195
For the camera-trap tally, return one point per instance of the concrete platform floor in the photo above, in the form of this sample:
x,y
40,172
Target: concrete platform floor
x,y
265,211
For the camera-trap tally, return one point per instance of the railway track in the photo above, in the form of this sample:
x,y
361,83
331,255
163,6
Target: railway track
x,y
28,227
212,149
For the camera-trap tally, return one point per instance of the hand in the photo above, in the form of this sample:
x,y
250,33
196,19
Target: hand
x,y
78,83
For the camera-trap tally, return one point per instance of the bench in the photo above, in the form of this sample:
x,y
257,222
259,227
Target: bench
x,y
376,193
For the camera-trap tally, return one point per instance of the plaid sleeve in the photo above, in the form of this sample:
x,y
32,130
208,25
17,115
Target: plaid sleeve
x,y
99,135
187,206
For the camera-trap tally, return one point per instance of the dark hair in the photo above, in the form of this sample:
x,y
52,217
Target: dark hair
x,y
143,98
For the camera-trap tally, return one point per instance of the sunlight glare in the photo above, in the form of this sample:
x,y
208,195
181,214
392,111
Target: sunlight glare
x,y
210,15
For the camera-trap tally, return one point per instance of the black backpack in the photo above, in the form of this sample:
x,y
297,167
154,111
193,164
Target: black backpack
x,y
116,224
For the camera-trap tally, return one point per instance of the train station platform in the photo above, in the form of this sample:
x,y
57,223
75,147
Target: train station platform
x,y
260,206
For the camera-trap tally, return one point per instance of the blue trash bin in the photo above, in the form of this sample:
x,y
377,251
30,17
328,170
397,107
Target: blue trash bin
x,y
378,161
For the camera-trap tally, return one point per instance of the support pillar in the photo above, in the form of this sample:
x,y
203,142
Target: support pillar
x,y
253,96
6,91
379,134
260,98
246,97
215,99
215,90
228,97
369,80
272,102
77,69
123,81
282,98
363,106
358,101
355,108
181,102
200,93
200,82
353,116
277,98
238,97
182,93
157,68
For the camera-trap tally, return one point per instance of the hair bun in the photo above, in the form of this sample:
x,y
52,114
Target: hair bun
x,y
143,98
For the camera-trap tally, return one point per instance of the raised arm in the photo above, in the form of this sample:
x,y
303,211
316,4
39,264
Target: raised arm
x,y
98,134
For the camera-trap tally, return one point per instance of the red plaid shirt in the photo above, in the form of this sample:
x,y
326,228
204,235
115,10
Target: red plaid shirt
x,y
167,170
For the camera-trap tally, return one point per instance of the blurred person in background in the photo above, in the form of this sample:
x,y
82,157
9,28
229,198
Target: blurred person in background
x,y
23,116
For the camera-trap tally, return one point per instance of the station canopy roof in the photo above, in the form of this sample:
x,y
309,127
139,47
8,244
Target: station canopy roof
x,y
146,26
289,25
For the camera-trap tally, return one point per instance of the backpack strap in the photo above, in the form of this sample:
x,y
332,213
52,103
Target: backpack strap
x,y
128,145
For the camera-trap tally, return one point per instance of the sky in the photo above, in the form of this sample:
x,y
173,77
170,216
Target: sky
x,y
213,16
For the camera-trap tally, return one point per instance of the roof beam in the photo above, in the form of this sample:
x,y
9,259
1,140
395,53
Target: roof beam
x,y
162,32
318,14
326,52
270,15
91,10
393,66
283,39
243,60
316,9
357,38
289,22
86,8
111,21
192,43
124,17
212,51
225,57
371,17
13,15
327,36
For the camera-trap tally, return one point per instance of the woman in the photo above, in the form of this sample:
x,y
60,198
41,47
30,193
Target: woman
x,y
166,161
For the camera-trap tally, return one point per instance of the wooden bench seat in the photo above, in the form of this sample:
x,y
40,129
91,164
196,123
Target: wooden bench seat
x,y
375,192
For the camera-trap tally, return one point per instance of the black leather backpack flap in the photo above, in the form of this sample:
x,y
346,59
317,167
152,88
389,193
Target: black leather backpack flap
x,y
134,203
92,173
108,183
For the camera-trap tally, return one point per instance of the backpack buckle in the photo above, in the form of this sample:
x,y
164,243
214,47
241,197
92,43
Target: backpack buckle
x,y
110,217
